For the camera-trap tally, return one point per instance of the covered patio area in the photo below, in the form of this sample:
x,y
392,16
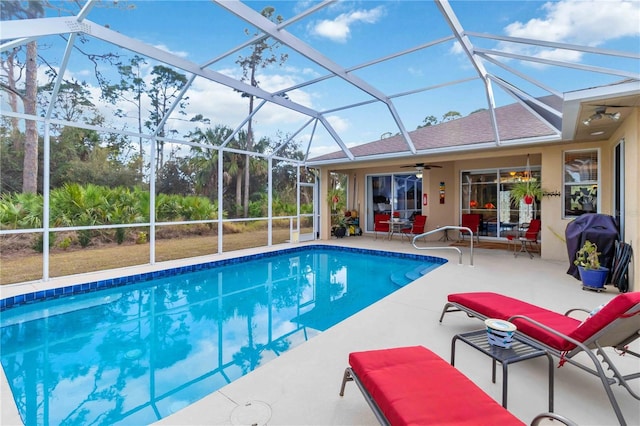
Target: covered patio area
x,y
302,385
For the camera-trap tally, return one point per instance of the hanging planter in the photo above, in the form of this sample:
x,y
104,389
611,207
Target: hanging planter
x,y
528,192
336,200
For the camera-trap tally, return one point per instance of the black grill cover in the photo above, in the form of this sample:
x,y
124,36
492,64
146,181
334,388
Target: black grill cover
x,y
600,229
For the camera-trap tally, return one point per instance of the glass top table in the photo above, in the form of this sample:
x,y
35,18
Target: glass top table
x,y
522,349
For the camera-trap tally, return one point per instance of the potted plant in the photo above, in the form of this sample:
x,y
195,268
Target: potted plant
x,y
592,274
340,228
526,191
337,203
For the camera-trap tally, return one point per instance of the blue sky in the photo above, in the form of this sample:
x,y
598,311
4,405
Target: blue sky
x,y
350,33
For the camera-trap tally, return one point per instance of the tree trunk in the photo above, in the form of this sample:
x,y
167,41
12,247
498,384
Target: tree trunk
x,y
247,170
9,67
239,191
30,171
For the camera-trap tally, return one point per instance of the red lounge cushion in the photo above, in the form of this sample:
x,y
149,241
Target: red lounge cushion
x,y
561,323
414,386
494,305
611,311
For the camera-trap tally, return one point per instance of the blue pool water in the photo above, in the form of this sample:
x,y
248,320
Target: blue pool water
x,y
135,353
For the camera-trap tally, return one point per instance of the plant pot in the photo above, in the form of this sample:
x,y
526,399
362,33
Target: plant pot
x,y
594,278
528,199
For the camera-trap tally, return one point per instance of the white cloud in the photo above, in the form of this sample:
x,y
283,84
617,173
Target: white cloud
x,y
591,23
322,142
302,6
418,72
216,102
181,54
220,104
338,123
339,29
583,22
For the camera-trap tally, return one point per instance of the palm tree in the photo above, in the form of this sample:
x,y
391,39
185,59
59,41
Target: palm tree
x,y
205,160
262,55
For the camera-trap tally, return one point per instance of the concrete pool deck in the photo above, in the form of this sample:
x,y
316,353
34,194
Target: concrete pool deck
x,y
301,386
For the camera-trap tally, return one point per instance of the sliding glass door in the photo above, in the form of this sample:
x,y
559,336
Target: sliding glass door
x,y
394,194
488,193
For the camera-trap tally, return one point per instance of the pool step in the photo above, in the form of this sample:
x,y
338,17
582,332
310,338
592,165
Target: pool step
x,y
413,275
401,279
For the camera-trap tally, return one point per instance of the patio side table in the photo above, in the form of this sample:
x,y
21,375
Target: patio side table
x,y
445,235
522,349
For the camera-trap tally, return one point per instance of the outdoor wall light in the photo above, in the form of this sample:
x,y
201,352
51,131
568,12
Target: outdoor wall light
x,y
600,113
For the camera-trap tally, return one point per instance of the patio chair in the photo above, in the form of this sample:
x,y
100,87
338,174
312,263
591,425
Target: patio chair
x,y
416,228
471,221
412,385
379,225
615,325
527,237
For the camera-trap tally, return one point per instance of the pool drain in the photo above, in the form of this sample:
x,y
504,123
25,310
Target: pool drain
x,y
133,354
251,413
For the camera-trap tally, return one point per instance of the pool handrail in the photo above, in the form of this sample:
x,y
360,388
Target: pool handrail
x,y
446,228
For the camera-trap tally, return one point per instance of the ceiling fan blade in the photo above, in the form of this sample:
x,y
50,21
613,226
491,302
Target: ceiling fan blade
x,y
422,166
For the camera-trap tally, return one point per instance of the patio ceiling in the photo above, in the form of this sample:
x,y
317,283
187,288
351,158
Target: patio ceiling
x,y
355,82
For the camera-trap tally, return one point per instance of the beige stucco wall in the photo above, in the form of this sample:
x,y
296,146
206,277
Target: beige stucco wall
x,y
548,156
629,131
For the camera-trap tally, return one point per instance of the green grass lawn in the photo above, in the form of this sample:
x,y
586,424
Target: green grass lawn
x,y
26,265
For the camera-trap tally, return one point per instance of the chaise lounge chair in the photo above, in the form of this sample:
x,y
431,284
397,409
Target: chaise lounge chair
x,y
616,324
412,385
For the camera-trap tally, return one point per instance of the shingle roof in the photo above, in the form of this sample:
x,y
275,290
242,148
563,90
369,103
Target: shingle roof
x,y
515,123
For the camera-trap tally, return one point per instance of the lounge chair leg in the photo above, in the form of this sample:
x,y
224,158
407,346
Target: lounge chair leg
x,y
607,385
446,309
345,378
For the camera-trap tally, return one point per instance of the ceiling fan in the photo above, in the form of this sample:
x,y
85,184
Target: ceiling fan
x,y
422,166
601,112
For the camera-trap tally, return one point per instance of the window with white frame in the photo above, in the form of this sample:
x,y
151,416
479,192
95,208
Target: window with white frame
x,y
581,182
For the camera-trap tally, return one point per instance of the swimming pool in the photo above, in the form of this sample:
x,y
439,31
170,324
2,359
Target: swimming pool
x,y
135,353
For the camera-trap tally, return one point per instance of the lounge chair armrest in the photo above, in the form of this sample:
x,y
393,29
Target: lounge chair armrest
x,y
570,311
552,331
596,363
552,416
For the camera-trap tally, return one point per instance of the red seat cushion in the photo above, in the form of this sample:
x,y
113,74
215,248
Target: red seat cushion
x,y
414,386
616,308
494,305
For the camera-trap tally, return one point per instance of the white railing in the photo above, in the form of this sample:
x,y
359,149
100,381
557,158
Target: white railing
x,y
445,229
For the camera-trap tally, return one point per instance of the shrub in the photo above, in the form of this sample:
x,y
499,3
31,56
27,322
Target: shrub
x,y
65,243
141,238
38,243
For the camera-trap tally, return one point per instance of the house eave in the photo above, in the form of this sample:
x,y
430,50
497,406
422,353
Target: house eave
x,y
550,139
